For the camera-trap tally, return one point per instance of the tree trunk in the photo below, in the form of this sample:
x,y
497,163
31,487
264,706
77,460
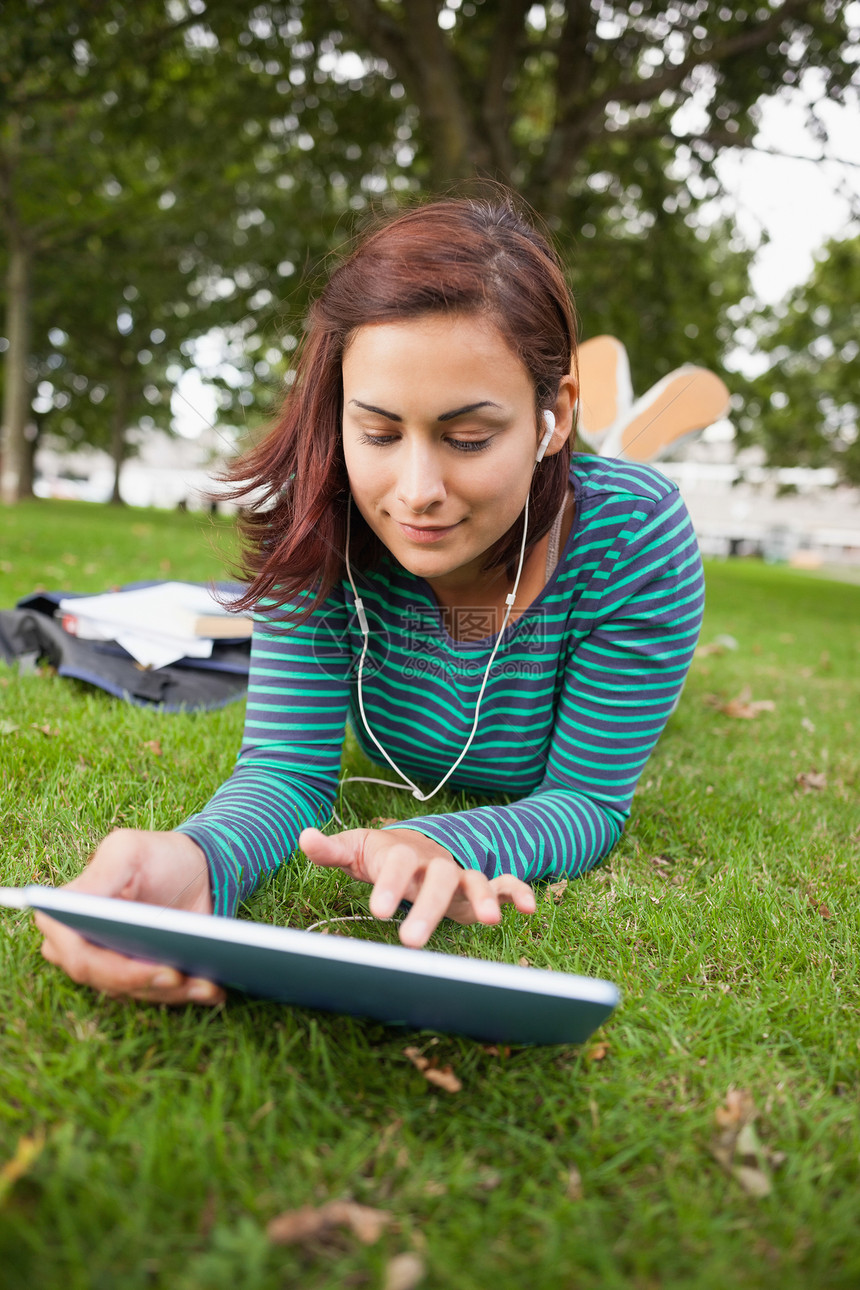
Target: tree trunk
x,y
122,400
421,55
31,438
16,385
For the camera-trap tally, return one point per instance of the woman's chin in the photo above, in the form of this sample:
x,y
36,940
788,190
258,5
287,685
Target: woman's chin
x,y
438,568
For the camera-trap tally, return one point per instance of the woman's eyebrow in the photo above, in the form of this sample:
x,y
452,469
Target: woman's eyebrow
x,y
445,416
380,412
470,407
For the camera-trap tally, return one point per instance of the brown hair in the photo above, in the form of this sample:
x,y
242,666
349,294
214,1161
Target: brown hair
x,y
458,256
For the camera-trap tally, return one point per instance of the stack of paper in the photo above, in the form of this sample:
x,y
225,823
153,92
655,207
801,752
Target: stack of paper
x,y
156,625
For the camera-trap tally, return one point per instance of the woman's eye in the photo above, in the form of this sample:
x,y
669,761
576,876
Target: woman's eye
x,y
378,440
460,445
470,445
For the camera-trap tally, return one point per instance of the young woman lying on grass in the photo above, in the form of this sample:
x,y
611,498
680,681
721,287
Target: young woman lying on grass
x,y
530,615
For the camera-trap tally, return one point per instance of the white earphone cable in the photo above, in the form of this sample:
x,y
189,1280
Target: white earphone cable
x,y
510,599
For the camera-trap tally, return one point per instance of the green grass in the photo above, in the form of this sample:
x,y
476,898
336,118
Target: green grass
x,y
172,1137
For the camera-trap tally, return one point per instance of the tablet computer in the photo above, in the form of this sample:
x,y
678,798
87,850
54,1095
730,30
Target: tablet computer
x,y
421,989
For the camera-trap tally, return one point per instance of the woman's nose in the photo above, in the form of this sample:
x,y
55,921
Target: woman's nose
x,y
420,483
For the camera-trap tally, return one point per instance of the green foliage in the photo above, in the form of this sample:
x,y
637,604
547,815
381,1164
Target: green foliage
x,y
804,409
176,178
80,200
182,168
586,110
166,1140
680,281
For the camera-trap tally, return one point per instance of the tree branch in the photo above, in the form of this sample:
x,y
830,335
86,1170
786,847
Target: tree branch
x,y
495,109
579,116
420,54
152,39
574,112
384,35
719,52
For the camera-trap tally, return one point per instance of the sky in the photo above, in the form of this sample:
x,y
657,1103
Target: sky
x,y
798,202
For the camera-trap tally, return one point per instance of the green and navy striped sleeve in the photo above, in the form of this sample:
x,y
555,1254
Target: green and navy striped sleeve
x,y
286,773
580,689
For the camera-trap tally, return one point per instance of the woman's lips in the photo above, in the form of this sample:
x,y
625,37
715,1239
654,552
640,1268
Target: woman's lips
x,y
425,533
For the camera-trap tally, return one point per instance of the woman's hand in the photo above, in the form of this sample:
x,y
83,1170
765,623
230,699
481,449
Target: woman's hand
x,y
158,868
403,864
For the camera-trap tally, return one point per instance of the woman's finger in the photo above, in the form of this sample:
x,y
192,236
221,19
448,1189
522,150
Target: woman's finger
x,y
513,891
102,969
481,896
396,875
191,989
114,974
343,850
441,880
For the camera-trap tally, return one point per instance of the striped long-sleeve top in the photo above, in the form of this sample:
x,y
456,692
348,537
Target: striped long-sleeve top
x,y
578,694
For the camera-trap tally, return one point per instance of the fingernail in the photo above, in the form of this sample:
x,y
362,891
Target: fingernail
x,y
201,992
164,979
419,931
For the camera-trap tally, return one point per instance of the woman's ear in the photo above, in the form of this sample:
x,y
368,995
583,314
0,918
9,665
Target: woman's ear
x,y
562,410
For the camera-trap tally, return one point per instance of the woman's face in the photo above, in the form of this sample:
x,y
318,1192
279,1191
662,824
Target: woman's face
x,y
440,438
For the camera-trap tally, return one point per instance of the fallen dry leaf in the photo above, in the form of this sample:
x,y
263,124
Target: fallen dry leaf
x,y
524,962
404,1272
380,821
297,1226
390,1131
743,707
26,1152
811,781
208,1215
45,730
598,1051
488,1179
746,709
819,906
574,1191
153,746
493,1050
556,890
749,1163
442,1076
718,645
739,1108
737,1148
7,727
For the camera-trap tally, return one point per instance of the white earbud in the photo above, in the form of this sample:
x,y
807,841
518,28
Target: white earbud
x,y
549,422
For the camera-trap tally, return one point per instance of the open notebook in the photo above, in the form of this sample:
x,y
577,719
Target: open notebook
x,y
416,988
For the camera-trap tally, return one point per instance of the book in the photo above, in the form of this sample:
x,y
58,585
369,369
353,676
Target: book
x,y
212,626
156,625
